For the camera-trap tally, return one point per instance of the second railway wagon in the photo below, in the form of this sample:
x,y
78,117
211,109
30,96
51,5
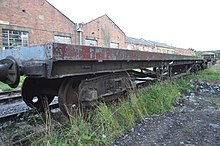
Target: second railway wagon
x,y
82,75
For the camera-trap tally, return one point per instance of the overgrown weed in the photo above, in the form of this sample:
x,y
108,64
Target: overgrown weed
x,y
211,74
108,122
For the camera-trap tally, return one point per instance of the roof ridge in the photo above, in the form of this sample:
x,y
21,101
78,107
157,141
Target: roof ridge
x,y
108,18
60,12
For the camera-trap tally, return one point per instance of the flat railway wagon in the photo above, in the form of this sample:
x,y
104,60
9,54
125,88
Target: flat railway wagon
x,y
210,57
83,75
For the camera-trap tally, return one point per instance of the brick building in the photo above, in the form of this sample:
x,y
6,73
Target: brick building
x,y
102,32
162,47
30,22
149,46
139,44
182,51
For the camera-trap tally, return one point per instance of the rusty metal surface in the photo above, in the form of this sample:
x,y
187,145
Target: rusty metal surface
x,y
58,51
34,53
71,68
56,60
71,52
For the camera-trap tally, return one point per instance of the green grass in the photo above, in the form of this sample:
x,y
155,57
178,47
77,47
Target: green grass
x,y
5,87
211,74
214,102
188,131
107,123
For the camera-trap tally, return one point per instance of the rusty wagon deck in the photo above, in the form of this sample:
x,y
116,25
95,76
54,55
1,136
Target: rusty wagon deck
x,y
59,60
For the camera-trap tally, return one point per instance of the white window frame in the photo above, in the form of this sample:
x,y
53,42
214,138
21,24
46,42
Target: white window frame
x,y
114,45
14,38
90,42
62,39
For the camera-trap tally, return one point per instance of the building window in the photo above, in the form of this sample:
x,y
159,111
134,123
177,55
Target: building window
x,y
114,45
14,38
62,39
89,42
158,50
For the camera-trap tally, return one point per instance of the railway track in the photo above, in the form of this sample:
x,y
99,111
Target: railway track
x,y
12,96
7,96
16,116
11,117
10,92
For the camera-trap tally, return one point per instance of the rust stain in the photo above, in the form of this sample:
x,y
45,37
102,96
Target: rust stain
x,y
74,52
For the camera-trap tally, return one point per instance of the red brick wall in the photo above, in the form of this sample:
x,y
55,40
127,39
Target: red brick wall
x,y
39,17
105,31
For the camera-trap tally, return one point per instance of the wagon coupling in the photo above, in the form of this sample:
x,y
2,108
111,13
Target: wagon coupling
x,y
9,72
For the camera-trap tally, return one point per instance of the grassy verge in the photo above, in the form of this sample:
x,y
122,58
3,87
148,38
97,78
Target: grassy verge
x,y
211,74
108,122
5,87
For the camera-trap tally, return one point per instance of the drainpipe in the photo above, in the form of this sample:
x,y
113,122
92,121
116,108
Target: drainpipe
x,y
80,37
79,30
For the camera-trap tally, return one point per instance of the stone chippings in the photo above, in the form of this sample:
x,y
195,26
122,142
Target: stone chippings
x,y
194,121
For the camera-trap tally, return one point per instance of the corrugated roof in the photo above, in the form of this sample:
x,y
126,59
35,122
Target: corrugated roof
x,y
142,41
136,41
159,44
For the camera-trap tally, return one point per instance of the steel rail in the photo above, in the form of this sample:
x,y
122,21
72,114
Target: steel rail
x,y
10,92
15,116
10,96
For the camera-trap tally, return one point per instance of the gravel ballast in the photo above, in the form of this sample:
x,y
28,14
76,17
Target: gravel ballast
x,y
194,121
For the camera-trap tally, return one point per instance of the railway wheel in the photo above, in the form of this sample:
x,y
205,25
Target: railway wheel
x,y
69,99
33,97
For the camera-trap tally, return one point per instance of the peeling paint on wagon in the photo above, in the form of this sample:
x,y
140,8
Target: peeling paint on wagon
x,y
56,60
34,53
70,52
57,51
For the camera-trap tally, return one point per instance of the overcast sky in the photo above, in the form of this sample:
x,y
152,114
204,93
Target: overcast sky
x,y
181,23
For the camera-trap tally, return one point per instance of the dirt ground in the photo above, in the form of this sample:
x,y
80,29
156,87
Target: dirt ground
x,y
194,121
